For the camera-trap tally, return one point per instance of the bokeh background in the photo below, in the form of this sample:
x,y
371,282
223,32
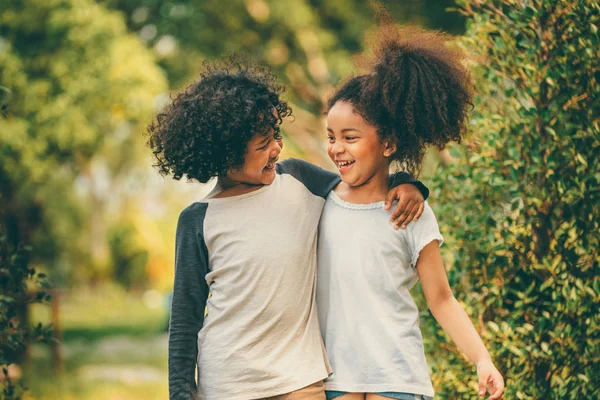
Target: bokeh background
x,y
87,225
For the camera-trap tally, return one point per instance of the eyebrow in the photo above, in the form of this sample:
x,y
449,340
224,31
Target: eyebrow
x,y
345,130
267,137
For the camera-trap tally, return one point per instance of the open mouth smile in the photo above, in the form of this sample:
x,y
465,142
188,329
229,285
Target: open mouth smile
x,y
344,165
271,165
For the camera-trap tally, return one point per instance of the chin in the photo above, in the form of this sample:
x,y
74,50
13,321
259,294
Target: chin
x,y
268,181
347,178
352,182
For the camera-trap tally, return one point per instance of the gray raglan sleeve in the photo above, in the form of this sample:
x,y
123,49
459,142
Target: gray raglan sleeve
x,y
190,293
317,180
400,178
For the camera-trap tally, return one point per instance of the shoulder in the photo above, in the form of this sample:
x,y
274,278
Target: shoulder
x,y
428,213
193,214
422,232
194,209
427,220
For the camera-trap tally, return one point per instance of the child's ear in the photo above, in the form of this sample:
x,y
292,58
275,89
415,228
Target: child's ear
x,y
389,148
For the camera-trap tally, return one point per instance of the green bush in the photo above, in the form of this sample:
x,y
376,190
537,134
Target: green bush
x,y
81,89
17,282
520,205
128,256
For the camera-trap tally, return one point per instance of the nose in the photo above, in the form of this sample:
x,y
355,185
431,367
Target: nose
x,y
276,148
337,147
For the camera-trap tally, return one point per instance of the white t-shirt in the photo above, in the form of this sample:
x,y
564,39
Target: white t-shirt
x,y
368,319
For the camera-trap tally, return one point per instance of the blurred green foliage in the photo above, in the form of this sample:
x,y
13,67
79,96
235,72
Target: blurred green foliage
x,y
20,286
309,43
114,347
520,204
82,87
128,256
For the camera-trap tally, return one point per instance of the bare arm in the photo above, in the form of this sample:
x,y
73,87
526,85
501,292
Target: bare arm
x,y
454,320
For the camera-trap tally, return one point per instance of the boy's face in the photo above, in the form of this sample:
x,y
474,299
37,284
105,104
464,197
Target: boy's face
x,y
262,153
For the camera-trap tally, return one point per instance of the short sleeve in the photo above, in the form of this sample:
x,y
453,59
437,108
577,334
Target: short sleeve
x,y
422,232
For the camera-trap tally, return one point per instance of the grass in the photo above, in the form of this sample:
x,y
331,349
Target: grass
x,y
114,347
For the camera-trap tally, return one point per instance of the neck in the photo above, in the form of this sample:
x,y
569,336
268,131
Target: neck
x,y
225,183
373,190
227,187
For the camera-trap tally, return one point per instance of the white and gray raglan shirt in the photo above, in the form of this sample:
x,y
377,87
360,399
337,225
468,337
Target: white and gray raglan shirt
x,y
256,254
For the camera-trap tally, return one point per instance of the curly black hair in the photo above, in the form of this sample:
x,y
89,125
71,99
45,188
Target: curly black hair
x,y
204,132
417,92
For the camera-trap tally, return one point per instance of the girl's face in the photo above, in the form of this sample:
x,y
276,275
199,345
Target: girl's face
x,y
355,147
262,153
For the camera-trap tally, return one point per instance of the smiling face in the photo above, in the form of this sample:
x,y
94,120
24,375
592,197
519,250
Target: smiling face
x,y
262,153
355,147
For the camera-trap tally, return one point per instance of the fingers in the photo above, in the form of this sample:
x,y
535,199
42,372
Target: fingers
x,y
420,211
409,208
496,388
389,199
414,213
403,213
400,207
416,209
482,385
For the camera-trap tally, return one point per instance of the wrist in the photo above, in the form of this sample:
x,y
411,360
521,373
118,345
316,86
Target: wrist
x,y
483,359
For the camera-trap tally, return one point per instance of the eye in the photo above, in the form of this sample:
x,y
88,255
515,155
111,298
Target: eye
x,y
265,146
350,138
330,138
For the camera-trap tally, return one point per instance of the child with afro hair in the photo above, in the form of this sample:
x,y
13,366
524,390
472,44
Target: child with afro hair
x,y
415,94
251,242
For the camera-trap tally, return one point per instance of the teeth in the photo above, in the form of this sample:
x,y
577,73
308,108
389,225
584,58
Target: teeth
x,y
344,163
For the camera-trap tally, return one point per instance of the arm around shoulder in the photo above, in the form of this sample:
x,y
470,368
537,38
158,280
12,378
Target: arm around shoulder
x,y
317,180
400,178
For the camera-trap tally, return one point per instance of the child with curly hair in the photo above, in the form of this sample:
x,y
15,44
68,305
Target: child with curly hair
x,y
416,94
251,242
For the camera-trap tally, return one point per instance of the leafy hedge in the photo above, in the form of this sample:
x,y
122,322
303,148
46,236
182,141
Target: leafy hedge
x,y
520,205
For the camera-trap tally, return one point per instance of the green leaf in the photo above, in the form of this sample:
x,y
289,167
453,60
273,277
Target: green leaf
x,y
583,378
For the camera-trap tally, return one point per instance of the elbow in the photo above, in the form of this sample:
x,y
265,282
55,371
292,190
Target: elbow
x,y
440,299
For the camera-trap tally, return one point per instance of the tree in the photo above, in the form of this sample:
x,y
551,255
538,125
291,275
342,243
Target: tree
x,y
81,85
308,43
17,278
520,206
